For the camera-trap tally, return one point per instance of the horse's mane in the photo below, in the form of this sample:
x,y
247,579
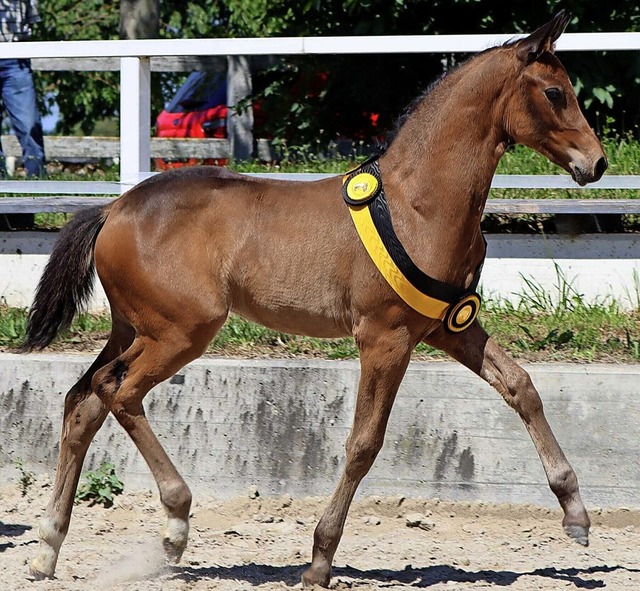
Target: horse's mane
x,y
413,105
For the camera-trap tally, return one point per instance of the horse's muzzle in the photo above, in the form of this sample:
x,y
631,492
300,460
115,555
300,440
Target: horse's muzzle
x,y
582,176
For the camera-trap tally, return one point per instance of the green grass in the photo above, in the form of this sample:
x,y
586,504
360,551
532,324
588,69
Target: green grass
x,y
579,332
85,326
51,221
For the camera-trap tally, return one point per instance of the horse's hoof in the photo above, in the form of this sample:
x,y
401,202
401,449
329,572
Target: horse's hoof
x,y
37,572
314,576
172,552
578,534
174,539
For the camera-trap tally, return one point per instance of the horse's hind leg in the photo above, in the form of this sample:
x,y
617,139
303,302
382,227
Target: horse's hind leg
x,y
84,414
384,357
122,386
480,353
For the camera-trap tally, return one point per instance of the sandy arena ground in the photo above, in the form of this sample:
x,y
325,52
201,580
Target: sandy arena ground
x,y
256,543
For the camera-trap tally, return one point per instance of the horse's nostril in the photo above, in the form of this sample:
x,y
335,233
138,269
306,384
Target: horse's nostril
x,y
601,166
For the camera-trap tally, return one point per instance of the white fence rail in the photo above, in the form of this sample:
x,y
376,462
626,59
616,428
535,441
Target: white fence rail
x,y
135,71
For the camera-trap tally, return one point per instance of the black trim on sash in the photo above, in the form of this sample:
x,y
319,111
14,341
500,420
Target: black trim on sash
x,y
435,288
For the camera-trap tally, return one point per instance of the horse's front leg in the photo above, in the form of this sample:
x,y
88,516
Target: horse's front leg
x,y
384,356
480,353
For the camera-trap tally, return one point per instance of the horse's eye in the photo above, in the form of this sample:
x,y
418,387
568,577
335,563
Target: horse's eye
x,y
553,94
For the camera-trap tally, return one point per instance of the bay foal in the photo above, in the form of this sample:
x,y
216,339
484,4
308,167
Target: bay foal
x,y
183,249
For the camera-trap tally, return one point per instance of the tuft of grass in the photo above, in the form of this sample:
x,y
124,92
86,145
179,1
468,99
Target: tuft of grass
x,y
563,326
242,337
13,322
51,221
100,486
27,478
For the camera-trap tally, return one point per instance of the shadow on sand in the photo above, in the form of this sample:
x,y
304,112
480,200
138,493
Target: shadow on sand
x,y
11,530
419,577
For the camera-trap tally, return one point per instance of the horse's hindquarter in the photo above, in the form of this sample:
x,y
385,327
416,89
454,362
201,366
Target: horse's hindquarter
x,y
279,253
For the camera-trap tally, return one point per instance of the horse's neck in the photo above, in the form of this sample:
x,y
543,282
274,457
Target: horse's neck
x,y
438,173
447,152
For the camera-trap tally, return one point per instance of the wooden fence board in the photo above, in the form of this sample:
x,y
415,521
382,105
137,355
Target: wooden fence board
x,y
66,147
562,206
187,63
49,204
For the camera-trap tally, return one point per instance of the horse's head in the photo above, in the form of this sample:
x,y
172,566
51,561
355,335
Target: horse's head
x,y
542,111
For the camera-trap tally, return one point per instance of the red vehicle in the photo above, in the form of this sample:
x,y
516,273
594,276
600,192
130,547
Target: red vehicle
x,y
198,110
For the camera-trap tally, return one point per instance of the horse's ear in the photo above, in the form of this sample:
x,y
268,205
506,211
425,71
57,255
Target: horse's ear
x,y
542,40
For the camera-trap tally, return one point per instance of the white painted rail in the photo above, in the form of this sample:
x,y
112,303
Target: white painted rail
x,y
623,41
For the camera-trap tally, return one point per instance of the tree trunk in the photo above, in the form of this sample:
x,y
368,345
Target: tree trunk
x,y
239,121
139,19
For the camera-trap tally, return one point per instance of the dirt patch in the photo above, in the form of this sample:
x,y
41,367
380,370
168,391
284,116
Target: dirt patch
x,y
246,543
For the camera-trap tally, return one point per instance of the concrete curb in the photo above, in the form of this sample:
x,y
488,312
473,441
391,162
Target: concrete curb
x,y
280,425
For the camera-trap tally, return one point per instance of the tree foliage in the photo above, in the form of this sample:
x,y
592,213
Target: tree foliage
x,y
83,97
316,96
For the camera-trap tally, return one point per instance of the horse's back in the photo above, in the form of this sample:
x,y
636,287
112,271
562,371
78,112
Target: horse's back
x,y
200,187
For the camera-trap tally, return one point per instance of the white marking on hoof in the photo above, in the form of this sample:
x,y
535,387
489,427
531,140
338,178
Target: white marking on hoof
x,y
44,565
174,538
578,534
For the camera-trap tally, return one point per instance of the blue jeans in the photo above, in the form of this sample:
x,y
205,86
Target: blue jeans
x,y
19,99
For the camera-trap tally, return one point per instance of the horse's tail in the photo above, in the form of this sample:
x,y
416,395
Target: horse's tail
x,y
67,282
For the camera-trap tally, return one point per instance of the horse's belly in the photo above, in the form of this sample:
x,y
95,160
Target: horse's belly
x,y
305,312
292,281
